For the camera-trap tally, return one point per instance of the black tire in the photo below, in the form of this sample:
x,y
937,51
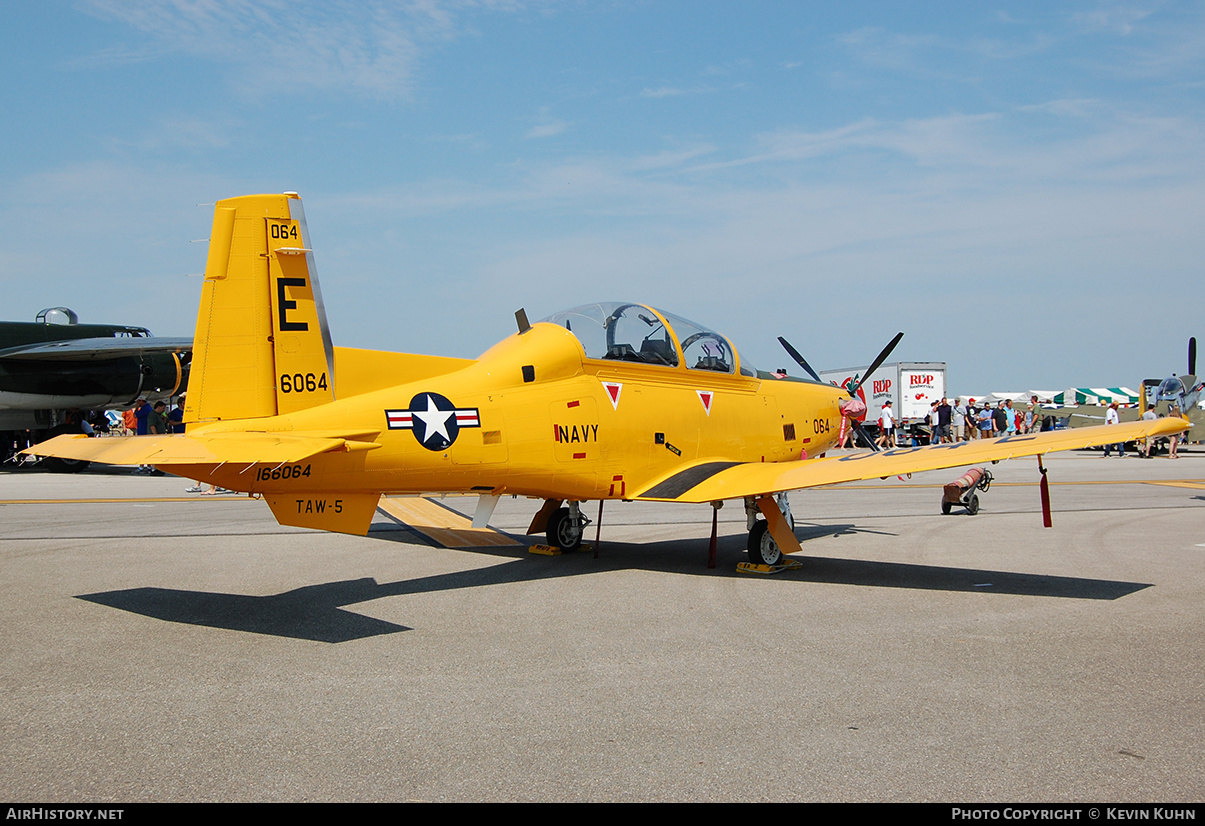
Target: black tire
x,y
945,508
56,465
763,550
563,531
973,505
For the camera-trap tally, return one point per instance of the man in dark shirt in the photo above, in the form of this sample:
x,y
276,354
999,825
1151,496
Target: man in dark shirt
x,y
944,412
175,419
142,410
157,422
1000,420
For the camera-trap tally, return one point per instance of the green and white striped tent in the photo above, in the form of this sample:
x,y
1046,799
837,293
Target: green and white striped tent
x,y
1097,395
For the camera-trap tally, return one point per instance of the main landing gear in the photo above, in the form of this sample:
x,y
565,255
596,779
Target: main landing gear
x,y
564,526
764,548
771,529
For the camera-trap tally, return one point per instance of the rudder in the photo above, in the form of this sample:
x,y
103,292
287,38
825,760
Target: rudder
x,y
262,344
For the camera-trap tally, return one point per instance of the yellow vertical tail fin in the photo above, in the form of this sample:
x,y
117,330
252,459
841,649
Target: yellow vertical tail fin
x,y
262,344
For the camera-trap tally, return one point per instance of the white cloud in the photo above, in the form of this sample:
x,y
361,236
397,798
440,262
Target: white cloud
x,y
369,47
678,91
186,132
1116,18
1169,44
549,128
890,50
663,92
1079,107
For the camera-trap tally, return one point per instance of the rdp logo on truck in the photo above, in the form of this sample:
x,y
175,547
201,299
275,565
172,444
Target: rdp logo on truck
x,y
882,386
920,380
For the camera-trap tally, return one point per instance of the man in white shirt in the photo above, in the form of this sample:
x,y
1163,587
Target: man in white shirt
x,y
1149,416
1113,417
959,416
886,426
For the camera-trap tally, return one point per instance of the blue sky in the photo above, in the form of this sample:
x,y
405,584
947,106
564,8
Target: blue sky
x,y
1018,187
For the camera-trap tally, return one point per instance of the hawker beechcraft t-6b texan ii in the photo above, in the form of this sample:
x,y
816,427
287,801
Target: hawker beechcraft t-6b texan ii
x,y
604,401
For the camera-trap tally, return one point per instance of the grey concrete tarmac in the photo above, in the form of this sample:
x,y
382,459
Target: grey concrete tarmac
x,y
163,646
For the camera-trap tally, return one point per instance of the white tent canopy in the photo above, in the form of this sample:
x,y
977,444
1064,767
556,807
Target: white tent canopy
x,y
1097,395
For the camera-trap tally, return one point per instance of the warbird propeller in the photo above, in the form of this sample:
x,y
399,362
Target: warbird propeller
x,y
604,401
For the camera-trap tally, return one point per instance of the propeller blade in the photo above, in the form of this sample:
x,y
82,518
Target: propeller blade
x,y
853,388
798,358
1192,356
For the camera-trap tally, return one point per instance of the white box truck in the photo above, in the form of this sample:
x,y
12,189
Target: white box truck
x,y
912,386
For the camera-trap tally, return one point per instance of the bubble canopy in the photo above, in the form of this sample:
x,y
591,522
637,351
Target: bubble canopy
x,y
622,331
1171,389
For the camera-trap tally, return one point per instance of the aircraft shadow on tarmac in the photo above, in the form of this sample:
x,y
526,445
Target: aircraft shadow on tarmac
x,y
316,612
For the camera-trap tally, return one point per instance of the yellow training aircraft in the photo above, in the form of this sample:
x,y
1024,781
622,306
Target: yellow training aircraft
x,y
605,401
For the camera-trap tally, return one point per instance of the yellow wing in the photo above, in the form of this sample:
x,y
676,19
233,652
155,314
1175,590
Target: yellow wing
x,y
712,481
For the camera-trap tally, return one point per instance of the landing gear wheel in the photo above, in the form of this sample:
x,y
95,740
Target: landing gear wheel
x,y
564,532
56,465
763,550
973,505
945,508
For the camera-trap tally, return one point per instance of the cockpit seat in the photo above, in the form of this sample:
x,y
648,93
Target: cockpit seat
x,y
657,351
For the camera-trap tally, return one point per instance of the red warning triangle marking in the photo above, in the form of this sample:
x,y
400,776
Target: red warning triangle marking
x,y
613,389
705,396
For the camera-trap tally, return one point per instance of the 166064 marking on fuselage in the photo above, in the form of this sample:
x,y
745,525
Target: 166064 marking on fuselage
x,y
265,474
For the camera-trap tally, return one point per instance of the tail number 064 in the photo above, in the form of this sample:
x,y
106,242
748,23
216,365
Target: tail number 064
x,y
302,382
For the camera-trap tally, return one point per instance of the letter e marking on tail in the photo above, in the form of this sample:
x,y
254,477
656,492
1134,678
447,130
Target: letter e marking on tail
x,y
283,304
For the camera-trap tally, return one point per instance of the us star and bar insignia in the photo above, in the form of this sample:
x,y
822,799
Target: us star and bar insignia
x,y
434,420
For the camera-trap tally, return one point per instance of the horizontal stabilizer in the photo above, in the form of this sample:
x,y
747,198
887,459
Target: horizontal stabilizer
x,y
202,449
